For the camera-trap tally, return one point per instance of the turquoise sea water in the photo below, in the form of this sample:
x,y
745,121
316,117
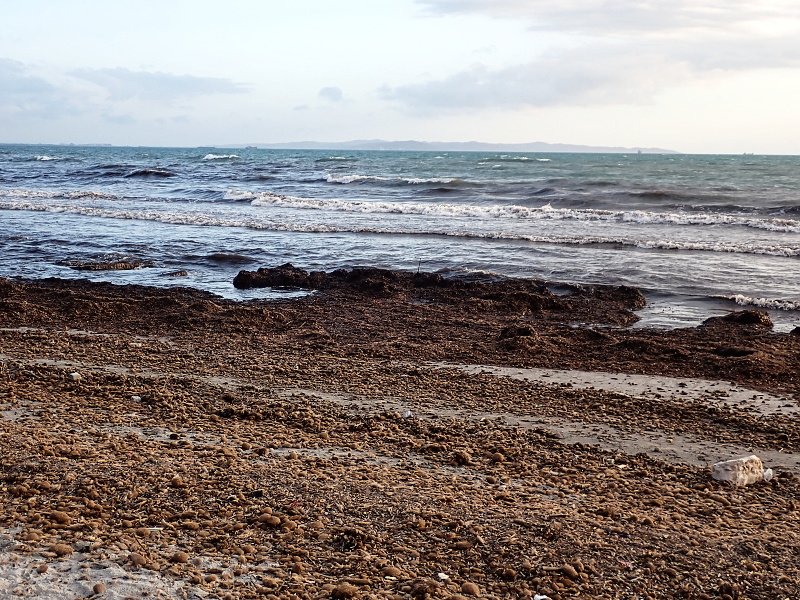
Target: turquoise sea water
x,y
699,234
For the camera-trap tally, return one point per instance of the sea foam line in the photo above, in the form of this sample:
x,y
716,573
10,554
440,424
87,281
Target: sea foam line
x,y
220,156
351,178
743,300
43,194
210,220
546,212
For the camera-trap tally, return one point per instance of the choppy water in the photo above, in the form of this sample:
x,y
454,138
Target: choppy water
x,y
699,234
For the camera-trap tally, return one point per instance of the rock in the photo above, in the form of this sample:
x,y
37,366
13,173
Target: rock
x,y
391,571
570,572
180,557
286,275
516,331
741,471
99,588
61,549
344,590
759,318
270,520
137,559
471,589
60,517
733,351
462,457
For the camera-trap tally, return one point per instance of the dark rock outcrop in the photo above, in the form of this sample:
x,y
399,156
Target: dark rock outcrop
x,y
758,318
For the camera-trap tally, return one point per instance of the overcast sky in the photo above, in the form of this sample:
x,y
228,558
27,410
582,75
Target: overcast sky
x,y
690,75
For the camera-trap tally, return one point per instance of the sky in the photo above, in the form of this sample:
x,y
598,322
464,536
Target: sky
x,y
699,76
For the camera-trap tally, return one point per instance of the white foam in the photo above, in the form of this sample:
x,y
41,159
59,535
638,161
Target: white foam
x,y
266,224
353,178
742,300
42,194
45,157
546,212
219,156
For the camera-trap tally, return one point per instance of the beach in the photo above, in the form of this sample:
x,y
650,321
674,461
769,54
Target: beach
x,y
389,434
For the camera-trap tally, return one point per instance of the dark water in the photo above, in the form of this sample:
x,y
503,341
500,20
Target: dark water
x,y
699,234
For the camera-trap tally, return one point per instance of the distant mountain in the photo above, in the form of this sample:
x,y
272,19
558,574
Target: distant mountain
x,y
451,147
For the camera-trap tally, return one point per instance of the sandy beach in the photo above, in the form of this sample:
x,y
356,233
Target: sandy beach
x,y
389,435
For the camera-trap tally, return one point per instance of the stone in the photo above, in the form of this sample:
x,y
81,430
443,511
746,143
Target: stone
x,y
741,471
61,549
470,589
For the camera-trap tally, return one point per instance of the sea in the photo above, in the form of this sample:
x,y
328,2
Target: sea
x,y
700,235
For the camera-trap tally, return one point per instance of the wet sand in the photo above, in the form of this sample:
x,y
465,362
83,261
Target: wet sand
x,y
389,437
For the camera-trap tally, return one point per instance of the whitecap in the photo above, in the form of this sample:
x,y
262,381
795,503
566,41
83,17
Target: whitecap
x,y
513,211
263,223
353,178
743,300
219,156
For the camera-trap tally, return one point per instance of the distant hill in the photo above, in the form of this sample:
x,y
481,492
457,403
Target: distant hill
x,y
450,146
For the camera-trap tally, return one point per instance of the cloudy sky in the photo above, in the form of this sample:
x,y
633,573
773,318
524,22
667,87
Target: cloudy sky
x,y
690,75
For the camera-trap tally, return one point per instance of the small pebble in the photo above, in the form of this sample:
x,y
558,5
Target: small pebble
x,y
61,549
471,589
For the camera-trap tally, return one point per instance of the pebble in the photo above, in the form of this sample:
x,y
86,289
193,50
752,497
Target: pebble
x,y
99,588
374,495
61,549
470,588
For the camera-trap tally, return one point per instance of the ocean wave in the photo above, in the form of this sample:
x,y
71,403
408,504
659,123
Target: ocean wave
x,y
200,219
44,157
514,158
743,300
351,178
220,156
45,194
546,212
146,173
337,159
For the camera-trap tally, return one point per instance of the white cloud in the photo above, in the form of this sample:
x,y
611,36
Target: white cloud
x,y
617,52
607,17
124,84
601,77
332,94
23,91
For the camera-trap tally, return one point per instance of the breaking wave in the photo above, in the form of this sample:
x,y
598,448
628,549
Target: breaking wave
x,y
220,156
742,300
350,178
264,223
546,212
147,173
42,194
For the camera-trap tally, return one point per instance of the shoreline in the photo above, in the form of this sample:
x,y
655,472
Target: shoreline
x,y
262,449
